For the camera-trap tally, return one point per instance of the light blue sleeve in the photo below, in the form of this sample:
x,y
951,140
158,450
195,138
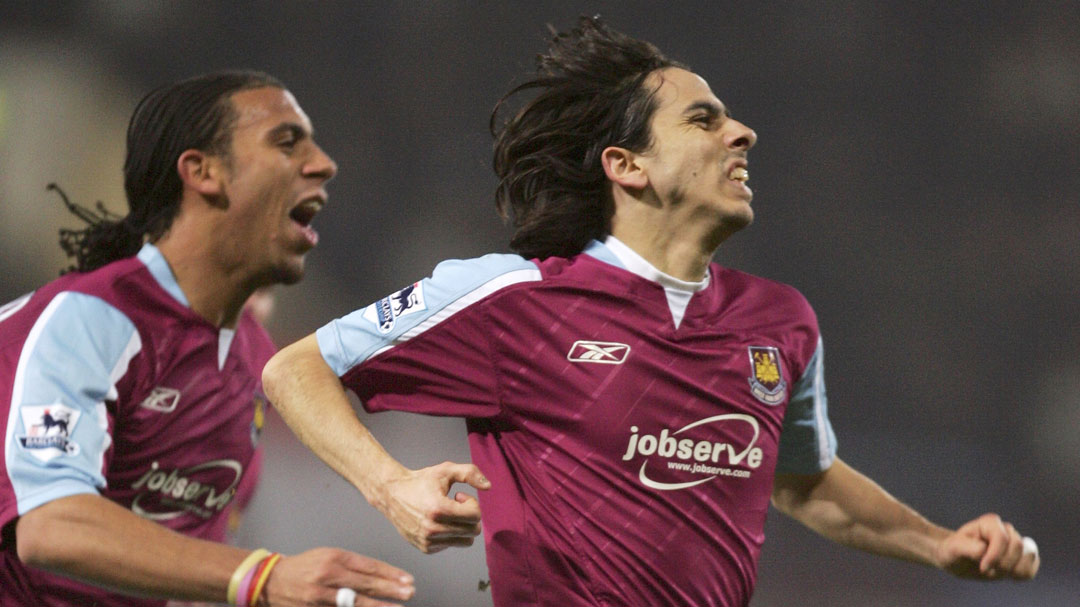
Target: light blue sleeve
x,y
454,285
807,441
57,431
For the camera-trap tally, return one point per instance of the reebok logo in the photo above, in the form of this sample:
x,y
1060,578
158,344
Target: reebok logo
x,y
604,352
161,399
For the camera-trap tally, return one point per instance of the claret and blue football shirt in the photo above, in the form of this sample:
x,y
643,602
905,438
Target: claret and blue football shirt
x,y
111,384
630,423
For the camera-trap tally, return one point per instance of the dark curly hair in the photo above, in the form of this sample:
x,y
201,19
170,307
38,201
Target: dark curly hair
x,y
196,113
591,94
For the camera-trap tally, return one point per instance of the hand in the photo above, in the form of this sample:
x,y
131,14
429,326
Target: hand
x,y
416,502
988,548
314,577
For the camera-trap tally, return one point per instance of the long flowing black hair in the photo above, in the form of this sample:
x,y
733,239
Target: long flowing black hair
x,y
196,113
591,94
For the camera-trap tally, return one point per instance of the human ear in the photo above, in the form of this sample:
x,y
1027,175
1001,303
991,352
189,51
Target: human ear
x,y
199,172
623,167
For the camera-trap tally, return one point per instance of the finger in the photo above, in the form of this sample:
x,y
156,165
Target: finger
x,y
460,512
378,587
969,547
383,589
464,509
454,542
994,533
456,531
466,473
1029,560
1013,551
363,601
433,531
358,600
369,567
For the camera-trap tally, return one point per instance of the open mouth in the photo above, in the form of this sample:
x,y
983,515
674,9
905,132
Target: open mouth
x,y
739,174
306,211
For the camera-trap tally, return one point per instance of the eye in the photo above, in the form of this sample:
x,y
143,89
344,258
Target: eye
x,y
704,120
288,137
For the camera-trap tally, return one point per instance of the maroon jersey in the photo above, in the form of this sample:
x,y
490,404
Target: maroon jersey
x,y
111,384
631,448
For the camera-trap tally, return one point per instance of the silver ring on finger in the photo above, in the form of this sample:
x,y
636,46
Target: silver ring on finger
x,y
346,597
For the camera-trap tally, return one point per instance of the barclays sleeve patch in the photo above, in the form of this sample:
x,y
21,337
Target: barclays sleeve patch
x,y
385,312
48,430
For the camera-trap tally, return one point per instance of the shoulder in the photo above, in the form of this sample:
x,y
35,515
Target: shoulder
x,y
66,342
774,297
506,267
84,299
122,284
771,309
74,311
460,282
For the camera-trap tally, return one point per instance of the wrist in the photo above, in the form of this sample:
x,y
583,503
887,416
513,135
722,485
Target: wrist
x,y
378,487
249,579
938,557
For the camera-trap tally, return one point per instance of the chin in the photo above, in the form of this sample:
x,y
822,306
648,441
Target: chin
x,y
288,273
740,219
292,275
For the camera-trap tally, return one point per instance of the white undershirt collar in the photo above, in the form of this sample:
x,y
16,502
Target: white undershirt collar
x,y
678,291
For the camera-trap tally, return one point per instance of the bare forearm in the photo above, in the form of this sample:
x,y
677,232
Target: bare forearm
x,y
95,540
311,400
849,508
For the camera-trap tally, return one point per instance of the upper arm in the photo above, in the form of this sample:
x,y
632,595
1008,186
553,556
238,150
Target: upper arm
x,y
57,429
807,440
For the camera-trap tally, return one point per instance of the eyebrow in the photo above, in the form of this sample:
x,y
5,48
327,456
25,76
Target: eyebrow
x,y
708,106
297,131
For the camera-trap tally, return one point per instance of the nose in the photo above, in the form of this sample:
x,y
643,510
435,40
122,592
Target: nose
x,y
320,165
739,136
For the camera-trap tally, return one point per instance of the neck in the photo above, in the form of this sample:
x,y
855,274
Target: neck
x,y
678,246
214,291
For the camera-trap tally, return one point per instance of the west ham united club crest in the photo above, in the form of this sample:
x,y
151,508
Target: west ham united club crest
x,y
259,418
766,377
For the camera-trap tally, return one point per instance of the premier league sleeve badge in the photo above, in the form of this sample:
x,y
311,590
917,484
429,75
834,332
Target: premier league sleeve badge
x,y
48,431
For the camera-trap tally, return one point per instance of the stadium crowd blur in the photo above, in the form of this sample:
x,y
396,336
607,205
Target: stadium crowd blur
x,y
916,178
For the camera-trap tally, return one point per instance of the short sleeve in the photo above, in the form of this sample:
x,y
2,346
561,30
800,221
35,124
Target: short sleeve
x,y
57,430
426,348
807,440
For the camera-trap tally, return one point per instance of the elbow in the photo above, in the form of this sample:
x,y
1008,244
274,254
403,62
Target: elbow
x,y
271,374
792,493
34,542
277,373
278,370
286,375
785,502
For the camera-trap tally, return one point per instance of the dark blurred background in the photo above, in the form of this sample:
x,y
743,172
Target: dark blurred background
x,y
916,178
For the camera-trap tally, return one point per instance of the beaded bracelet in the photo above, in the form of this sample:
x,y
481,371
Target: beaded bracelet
x,y
246,567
